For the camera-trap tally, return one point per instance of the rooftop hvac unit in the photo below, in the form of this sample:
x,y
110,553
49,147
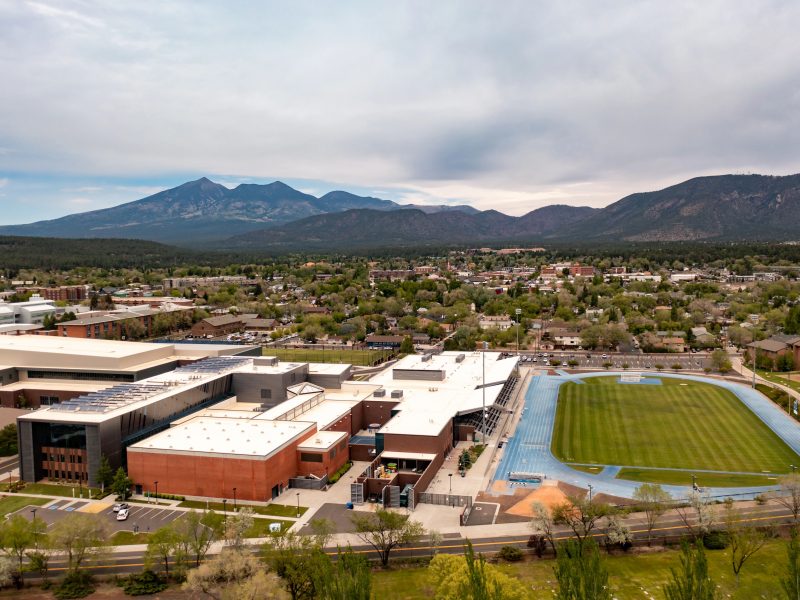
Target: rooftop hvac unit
x,y
397,393
460,358
426,357
381,393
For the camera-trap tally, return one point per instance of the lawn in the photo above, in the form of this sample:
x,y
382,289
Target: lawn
x,y
791,380
679,424
630,576
703,479
50,489
11,504
321,355
271,510
586,469
128,538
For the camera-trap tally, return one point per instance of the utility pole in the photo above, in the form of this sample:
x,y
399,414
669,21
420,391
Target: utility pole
x,y
518,312
755,355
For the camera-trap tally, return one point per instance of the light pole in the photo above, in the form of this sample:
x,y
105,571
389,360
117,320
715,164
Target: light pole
x,y
450,475
35,530
156,484
234,499
225,508
298,505
694,482
518,312
590,493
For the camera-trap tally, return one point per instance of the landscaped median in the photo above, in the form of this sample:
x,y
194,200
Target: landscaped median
x,y
270,510
669,477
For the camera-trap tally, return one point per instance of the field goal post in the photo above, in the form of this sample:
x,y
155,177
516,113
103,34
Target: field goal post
x,y
630,378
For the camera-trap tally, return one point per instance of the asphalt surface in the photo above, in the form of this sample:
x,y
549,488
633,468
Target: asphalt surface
x,y
595,360
146,518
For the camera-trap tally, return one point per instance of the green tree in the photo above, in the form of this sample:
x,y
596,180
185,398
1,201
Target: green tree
x,y
8,440
79,537
720,361
691,581
791,582
105,474
581,572
17,537
384,530
653,500
349,579
162,545
196,532
121,485
581,515
459,577
744,541
407,345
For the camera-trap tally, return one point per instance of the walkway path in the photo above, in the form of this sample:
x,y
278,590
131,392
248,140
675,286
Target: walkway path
x,y
529,448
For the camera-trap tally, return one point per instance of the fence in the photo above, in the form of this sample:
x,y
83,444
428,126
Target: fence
x,y
443,499
306,483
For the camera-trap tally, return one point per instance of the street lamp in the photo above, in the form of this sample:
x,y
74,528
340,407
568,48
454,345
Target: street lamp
x,y
518,312
298,505
694,481
35,530
590,493
450,475
156,484
225,508
234,499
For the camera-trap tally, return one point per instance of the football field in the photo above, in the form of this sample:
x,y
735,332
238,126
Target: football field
x,y
679,424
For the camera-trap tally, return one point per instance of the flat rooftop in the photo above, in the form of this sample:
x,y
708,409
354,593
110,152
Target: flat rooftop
x,y
215,436
322,440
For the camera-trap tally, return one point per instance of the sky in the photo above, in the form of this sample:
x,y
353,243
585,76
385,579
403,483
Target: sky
x,y
504,105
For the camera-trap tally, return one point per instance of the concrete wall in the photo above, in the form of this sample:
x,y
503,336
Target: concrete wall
x,y
248,386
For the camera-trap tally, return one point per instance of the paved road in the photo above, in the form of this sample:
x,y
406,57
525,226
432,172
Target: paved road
x,y
529,447
596,360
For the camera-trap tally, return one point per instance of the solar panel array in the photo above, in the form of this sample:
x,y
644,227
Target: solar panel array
x,y
128,393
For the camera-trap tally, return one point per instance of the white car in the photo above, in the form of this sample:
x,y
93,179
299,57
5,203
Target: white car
x,y
604,356
122,515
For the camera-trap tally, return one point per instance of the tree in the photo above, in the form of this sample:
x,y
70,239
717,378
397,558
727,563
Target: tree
x,y
407,345
80,537
654,501
697,515
296,560
163,543
322,531
744,541
236,527
720,361
196,532
581,572
618,534
17,537
542,523
105,474
121,485
459,577
581,515
791,583
233,574
6,570
8,440
384,530
691,581
789,495
349,579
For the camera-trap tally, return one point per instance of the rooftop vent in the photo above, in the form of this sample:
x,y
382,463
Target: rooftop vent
x,y
381,393
460,358
426,357
397,393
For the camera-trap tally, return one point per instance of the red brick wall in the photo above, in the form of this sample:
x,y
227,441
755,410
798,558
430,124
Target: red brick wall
x,y
214,477
377,411
344,424
329,465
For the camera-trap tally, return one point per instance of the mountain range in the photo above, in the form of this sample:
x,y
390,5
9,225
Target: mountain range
x,y
275,217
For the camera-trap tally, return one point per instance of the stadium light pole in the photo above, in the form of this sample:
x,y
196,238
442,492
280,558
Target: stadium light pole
x,y
483,391
755,356
518,312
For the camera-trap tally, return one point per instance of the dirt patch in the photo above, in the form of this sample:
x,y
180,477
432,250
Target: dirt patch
x,y
549,495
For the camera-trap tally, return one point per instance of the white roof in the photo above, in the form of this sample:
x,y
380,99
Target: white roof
x,y
407,455
322,440
235,437
427,406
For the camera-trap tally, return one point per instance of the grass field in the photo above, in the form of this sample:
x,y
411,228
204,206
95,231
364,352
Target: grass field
x,y
51,489
271,510
631,577
353,357
11,504
703,479
679,424
586,468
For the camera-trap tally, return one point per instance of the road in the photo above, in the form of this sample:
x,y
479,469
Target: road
x,y
670,526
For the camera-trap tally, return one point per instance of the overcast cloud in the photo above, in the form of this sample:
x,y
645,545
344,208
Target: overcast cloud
x,y
505,105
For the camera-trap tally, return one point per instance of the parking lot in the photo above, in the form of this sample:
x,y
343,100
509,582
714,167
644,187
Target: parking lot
x,y
597,360
146,518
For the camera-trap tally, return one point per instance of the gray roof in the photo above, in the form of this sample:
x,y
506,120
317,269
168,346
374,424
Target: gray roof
x,y
768,345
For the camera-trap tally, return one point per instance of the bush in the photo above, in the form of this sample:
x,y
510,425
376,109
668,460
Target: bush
x,y
716,540
146,582
676,367
338,474
510,553
77,584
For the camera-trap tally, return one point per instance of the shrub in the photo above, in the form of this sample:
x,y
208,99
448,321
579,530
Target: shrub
x,y
716,540
77,584
146,582
510,553
676,367
338,474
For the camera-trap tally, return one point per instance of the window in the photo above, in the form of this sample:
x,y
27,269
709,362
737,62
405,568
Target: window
x,y
266,394
309,457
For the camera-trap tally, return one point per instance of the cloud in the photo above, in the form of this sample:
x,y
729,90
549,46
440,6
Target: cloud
x,y
511,106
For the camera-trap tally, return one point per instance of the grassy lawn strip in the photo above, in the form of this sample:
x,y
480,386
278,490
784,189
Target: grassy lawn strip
x,y
271,510
586,469
352,357
11,504
128,538
630,576
260,527
679,424
50,489
703,479
783,378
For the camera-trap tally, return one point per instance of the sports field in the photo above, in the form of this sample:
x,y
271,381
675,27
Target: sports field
x,y
679,424
330,355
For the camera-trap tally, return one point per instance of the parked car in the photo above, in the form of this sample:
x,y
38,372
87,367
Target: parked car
x,y
120,506
122,515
